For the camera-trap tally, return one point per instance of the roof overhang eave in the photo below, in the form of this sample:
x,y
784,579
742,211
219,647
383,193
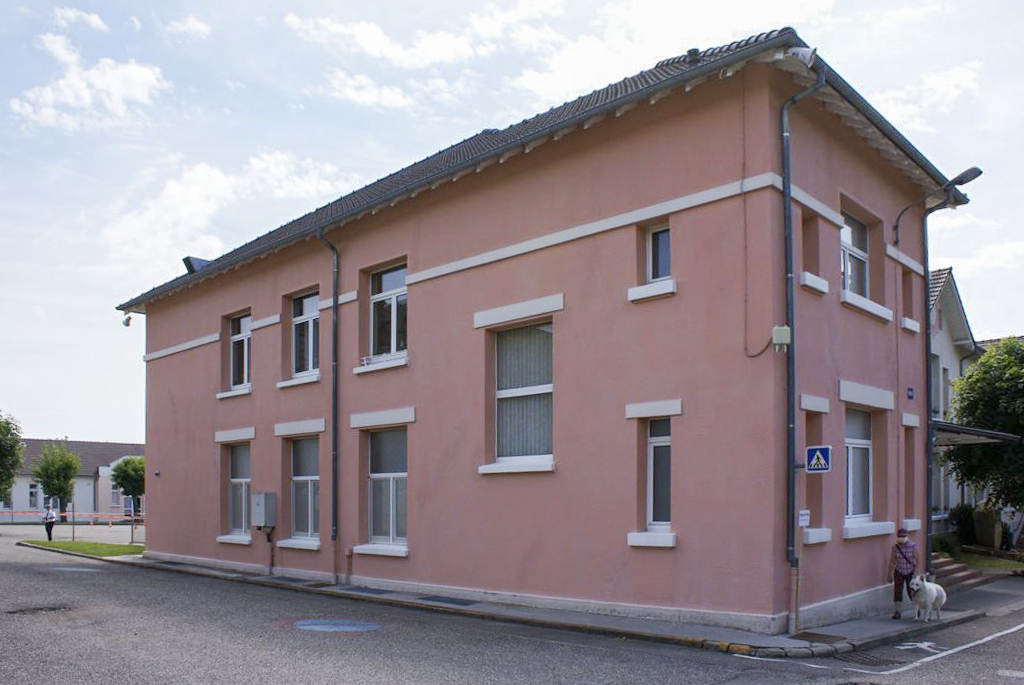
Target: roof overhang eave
x,y
952,434
956,197
786,38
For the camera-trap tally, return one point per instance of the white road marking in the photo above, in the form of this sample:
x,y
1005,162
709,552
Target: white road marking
x,y
1011,674
926,646
788,661
934,657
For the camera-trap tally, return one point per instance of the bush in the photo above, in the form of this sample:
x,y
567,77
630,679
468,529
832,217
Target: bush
x,y
941,544
962,516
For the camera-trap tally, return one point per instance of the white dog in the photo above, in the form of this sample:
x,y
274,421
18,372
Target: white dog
x,y
928,597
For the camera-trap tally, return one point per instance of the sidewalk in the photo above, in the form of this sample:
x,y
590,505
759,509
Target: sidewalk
x,y
999,597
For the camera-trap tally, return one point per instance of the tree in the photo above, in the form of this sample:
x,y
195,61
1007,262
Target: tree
x,y
991,395
55,472
10,454
129,474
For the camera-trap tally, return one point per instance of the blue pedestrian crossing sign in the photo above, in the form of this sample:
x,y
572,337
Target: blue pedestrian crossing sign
x,y
819,459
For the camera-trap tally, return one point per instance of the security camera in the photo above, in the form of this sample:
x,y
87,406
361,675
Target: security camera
x,y
127,320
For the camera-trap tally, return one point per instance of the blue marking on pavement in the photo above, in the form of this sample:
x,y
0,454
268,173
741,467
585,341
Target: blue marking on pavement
x,y
76,569
334,625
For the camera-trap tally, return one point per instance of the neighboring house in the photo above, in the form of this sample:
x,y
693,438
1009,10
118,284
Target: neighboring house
x,y
560,378
93,493
1015,519
953,350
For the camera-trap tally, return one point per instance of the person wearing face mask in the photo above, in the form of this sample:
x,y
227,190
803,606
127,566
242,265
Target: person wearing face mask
x,y
902,566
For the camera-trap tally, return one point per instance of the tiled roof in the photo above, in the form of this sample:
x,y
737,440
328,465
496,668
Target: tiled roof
x,y
936,282
491,143
91,454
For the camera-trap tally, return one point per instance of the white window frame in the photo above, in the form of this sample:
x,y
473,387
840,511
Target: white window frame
x,y
850,252
661,228
311,323
851,444
525,391
245,337
313,510
244,483
652,442
34,495
115,495
391,296
392,478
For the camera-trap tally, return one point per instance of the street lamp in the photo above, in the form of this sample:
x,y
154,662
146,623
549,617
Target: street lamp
x,y
960,179
963,178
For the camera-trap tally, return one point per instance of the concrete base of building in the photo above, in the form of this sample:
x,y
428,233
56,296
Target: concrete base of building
x,y
242,567
871,602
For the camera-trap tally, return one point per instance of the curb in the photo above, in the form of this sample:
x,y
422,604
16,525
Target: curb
x,y
735,648
25,543
826,650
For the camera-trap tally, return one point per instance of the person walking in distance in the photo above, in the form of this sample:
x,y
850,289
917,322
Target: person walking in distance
x,y
902,566
49,518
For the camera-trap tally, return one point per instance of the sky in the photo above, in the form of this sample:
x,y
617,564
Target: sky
x,y
136,133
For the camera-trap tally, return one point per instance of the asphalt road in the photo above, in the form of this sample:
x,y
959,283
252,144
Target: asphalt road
x,y
70,620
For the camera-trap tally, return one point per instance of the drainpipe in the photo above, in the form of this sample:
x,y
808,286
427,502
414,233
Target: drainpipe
x,y
787,220
929,448
787,214
953,199
334,392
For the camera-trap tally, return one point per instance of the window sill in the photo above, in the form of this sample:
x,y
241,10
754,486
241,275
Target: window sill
x,y
235,539
912,524
382,550
666,286
816,536
300,543
235,392
813,283
539,464
867,529
910,325
940,517
381,364
651,539
863,304
300,380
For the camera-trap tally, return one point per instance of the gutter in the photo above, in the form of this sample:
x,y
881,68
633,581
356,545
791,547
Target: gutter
x,y
709,66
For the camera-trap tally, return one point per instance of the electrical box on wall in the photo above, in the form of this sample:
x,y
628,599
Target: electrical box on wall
x,y
264,510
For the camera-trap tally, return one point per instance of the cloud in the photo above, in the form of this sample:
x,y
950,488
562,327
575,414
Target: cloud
x,y
476,37
361,90
181,218
627,36
136,24
106,95
285,177
66,16
189,27
364,37
915,107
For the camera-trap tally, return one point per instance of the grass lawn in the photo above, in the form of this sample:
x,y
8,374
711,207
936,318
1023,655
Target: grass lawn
x,y
96,549
986,563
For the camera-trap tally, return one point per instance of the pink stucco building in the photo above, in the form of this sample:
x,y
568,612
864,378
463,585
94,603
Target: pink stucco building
x,y
561,361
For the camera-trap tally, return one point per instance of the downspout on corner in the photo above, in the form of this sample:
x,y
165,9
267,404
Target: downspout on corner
x,y
787,209
334,389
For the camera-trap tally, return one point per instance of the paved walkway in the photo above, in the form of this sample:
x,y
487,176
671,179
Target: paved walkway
x,y
101,532
1002,596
